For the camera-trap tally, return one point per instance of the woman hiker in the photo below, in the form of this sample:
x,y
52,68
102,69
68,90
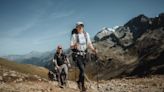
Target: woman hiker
x,y
80,42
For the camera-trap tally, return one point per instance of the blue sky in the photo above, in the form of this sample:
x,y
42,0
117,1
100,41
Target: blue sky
x,y
40,25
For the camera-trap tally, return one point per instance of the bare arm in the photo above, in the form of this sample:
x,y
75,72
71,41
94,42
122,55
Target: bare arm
x,y
55,62
67,60
69,65
91,47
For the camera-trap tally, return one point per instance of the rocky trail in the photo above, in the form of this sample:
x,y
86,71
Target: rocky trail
x,y
13,81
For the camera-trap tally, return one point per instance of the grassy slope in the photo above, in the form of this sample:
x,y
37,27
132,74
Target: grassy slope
x,y
24,68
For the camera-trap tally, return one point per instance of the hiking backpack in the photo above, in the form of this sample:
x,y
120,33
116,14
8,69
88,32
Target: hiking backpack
x,y
74,55
74,31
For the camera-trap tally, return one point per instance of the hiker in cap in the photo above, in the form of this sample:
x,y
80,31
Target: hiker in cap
x,y
61,63
80,42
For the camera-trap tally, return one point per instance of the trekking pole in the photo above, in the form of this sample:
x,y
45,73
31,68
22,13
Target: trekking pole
x,y
97,71
97,77
75,72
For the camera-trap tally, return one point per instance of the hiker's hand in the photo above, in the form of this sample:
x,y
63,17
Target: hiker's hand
x,y
76,45
69,65
95,51
57,67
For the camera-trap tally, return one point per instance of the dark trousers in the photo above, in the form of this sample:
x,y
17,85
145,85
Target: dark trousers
x,y
81,61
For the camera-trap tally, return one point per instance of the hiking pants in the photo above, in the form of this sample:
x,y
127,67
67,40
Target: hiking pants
x,y
81,60
63,74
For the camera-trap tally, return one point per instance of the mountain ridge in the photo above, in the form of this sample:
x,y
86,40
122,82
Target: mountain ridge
x,y
122,45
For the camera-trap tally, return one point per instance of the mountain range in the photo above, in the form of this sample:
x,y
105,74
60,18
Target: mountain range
x,y
136,48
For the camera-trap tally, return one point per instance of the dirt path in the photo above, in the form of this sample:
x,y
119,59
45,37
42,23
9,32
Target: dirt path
x,y
148,84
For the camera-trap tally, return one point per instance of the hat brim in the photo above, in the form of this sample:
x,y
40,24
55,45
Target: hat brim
x,y
82,25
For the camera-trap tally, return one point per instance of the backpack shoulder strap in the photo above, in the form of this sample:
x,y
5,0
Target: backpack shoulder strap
x,y
85,34
77,38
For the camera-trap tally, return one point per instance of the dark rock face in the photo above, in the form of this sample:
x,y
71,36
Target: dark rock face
x,y
151,53
125,36
141,24
157,22
138,50
138,25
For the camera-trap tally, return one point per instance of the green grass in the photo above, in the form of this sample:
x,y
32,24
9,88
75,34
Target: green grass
x,y
24,68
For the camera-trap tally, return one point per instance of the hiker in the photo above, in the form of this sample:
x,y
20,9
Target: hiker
x,y
80,42
61,63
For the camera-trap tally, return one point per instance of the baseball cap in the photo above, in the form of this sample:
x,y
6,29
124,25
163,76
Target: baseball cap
x,y
80,24
59,47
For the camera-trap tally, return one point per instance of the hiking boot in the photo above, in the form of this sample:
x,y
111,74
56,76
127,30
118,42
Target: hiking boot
x,y
65,84
61,85
84,88
79,85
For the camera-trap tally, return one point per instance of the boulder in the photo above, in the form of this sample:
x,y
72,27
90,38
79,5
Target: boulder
x,y
103,34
